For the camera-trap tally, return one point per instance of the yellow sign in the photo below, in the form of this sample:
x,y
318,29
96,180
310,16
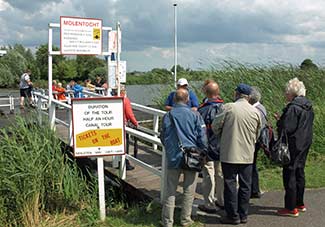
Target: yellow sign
x,y
96,33
99,137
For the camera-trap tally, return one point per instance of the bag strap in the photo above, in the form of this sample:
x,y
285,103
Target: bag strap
x,y
284,135
172,120
262,113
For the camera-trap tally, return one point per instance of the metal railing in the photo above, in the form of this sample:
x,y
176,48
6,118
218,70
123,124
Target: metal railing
x,y
145,134
7,101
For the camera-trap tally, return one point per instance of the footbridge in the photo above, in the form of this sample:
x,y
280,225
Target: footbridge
x,y
148,158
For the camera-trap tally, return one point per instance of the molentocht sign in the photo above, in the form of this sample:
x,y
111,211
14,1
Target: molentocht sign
x,y
81,36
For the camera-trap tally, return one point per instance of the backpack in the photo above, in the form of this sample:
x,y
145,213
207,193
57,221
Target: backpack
x,y
266,137
208,113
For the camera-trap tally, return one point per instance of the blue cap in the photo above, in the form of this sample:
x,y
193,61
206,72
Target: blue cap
x,y
243,89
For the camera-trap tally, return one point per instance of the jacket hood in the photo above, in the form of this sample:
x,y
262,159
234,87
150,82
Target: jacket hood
x,y
302,101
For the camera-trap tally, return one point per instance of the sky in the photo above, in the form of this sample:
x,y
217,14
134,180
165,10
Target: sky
x,y
255,32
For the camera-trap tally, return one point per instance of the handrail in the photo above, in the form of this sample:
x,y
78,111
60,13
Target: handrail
x,y
147,109
10,103
145,134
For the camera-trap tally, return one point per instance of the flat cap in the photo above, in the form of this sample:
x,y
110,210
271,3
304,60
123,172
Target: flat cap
x,y
243,89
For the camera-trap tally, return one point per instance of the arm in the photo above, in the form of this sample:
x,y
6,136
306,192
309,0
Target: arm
x,y
129,115
288,120
163,128
202,140
168,108
169,101
218,121
194,100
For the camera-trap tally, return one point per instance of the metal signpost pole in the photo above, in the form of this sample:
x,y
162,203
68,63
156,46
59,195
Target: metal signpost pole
x,y
118,34
50,78
175,43
101,188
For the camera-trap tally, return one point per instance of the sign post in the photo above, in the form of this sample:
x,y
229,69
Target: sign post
x,y
97,123
98,130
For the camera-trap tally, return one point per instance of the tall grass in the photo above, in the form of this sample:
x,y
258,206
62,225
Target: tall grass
x,y
271,80
36,177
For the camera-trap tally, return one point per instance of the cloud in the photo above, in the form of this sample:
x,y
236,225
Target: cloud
x,y
220,27
29,6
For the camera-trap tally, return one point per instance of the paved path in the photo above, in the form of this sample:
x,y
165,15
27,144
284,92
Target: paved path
x,y
262,212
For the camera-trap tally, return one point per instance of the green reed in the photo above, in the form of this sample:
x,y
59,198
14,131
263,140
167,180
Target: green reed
x,y
35,175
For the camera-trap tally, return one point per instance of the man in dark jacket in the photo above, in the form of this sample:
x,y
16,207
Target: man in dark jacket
x,y
297,123
212,185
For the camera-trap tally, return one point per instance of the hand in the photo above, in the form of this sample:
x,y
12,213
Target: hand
x,y
276,116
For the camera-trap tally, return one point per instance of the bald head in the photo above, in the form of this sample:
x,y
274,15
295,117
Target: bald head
x,y
212,90
181,96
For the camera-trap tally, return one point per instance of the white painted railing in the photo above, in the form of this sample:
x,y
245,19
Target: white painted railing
x,y
146,134
7,101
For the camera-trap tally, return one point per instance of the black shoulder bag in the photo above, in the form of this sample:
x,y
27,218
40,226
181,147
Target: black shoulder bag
x,y
193,157
280,150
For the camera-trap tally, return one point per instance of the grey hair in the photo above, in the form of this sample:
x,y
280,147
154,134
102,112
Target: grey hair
x,y
240,95
255,95
295,87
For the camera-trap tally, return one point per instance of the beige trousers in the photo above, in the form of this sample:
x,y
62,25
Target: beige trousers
x,y
189,186
212,184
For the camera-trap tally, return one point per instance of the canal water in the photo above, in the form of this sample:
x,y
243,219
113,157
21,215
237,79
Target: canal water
x,y
142,94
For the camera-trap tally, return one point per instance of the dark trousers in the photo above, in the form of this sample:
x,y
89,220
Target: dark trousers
x,y
255,178
128,145
294,185
237,202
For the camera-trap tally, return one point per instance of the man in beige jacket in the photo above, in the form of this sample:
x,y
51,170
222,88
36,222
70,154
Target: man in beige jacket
x,y
239,128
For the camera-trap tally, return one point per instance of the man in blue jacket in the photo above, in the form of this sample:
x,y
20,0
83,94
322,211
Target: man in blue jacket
x,y
191,130
192,101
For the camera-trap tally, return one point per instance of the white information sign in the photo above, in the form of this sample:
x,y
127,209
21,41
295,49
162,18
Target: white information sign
x,y
80,36
112,73
112,42
98,126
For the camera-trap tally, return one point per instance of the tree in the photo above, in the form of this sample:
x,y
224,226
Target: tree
x,y
179,68
65,70
308,64
42,60
99,71
86,64
6,78
15,62
29,57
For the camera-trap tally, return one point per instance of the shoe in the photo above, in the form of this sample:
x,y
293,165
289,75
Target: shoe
x,y
257,195
220,207
301,208
227,220
22,107
243,220
209,210
129,167
290,213
187,224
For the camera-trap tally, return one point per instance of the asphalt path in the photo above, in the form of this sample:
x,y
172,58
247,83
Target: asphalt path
x,y
262,212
